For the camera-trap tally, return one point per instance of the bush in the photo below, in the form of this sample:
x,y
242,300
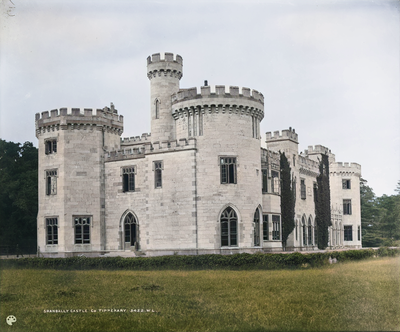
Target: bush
x,y
262,261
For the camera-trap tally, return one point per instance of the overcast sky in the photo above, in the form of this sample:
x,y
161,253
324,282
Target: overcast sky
x,y
329,69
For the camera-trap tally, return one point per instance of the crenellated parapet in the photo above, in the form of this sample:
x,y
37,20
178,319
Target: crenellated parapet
x,y
235,100
106,119
221,91
134,140
345,169
284,135
317,149
148,148
167,65
308,166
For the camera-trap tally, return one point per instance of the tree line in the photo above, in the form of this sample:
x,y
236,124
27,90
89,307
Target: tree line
x,y
18,195
380,217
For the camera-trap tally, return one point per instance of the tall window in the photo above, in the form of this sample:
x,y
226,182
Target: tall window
x,y
275,182
257,228
264,174
51,182
228,228
348,233
228,169
309,231
359,233
303,189
346,184
315,188
128,178
157,109
82,230
276,227
131,231
347,206
52,230
50,146
158,167
265,228
304,226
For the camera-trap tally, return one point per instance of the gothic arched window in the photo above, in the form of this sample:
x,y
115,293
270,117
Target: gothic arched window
x,y
228,228
131,230
304,226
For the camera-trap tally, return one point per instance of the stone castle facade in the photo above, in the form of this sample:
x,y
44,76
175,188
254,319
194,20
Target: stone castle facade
x,y
199,183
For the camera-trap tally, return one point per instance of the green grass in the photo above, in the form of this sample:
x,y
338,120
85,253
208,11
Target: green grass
x,y
352,296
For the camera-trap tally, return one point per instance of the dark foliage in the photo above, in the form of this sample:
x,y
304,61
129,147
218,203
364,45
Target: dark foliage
x,y
323,203
287,200
380,217
18,195
202,262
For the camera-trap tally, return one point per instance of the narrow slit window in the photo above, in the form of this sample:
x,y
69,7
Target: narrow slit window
x,y
158,168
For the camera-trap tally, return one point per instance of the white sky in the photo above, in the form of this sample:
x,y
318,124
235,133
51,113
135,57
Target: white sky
x,y
329,69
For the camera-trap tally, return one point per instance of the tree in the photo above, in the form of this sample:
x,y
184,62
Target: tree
x,y
19,193
323,203
287,200
380,217
369,216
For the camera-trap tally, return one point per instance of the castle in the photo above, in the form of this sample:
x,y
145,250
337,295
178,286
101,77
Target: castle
x,y
199,183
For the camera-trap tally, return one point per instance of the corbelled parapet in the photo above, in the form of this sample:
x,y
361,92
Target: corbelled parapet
x,y
286,134
136,139
308,166
224,99
346,169
220,91
168,65
76,118
317,149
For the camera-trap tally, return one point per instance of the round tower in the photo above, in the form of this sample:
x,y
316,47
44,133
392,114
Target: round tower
x,y
225,125
164,75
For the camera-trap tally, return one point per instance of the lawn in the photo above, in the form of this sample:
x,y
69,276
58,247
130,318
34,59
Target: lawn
x,y
353,296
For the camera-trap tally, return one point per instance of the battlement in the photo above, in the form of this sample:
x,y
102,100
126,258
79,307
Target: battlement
x,y
136,139
142,150
286,134
73,117
217,92
345,169
317,149
164,66
164,57
345,166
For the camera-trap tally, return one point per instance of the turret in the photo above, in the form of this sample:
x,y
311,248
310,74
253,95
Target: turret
x,y
71,216
286,142
164,75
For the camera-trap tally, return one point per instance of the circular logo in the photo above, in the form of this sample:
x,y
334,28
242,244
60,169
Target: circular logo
x,y
11,319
